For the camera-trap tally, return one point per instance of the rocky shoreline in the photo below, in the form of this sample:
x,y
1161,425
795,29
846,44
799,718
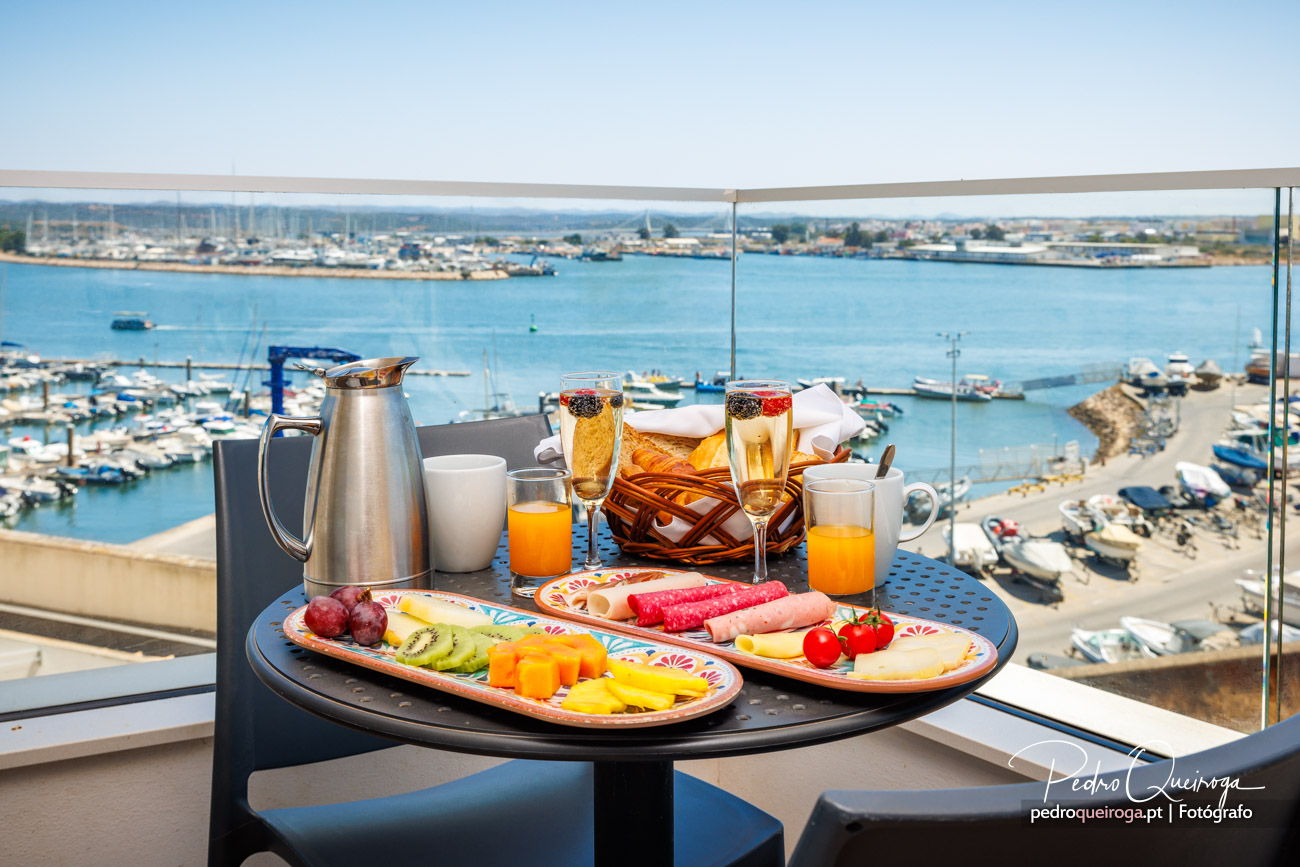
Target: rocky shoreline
x,y
1113,416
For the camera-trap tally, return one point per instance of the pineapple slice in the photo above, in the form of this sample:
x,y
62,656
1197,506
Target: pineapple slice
x,y
645,698
400,627
657,678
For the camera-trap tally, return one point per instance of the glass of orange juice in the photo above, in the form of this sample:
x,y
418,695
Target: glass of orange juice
x,y
841,536
539,518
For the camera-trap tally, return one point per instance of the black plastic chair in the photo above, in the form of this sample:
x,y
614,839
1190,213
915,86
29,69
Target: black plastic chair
x,y
256,730
991,825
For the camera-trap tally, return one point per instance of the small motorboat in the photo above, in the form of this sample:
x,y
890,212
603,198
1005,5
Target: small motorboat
x,y
1179,365
973,551
1113,542
1232,452
1236,476
1184,636
1253,591
718,384
1117,511
1043,559
1109,645
1201,483
1254,633
832,382
965,390
949,496
1077,519
1151,502
1208,375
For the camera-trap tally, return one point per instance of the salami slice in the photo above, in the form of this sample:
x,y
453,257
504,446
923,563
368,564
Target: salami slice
x,y
691,615
649,607
786,612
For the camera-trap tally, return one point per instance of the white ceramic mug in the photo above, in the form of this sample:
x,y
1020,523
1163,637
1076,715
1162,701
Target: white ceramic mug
x,y
891,496
467,510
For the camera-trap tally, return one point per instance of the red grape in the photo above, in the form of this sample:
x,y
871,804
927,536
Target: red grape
x,y
350,596
368,622
326,617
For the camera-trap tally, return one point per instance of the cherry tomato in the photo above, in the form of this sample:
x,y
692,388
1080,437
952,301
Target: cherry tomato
x,y
858,637
821,647
884,629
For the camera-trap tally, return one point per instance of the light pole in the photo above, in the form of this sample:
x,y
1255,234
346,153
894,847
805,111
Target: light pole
x,y
954,352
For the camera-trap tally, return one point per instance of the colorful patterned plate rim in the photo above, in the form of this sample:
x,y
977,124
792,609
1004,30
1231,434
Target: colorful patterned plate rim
x,y
723,678
982,656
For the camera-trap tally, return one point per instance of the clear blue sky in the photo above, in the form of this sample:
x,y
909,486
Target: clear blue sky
x,y
694,94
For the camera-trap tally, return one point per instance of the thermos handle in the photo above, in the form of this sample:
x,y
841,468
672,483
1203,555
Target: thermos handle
x,y
292,545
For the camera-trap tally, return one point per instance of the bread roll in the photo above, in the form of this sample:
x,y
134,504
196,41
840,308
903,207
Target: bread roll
x,y
711,452
678,447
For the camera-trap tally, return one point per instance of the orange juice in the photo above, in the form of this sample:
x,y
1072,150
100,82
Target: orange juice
x,y
541,545
841,559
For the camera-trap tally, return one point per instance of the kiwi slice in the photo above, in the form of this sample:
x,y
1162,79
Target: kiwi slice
x,y
480,656
533,630
499,632
462,648
425,646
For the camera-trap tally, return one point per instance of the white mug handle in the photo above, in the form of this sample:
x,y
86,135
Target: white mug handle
x,y
934,509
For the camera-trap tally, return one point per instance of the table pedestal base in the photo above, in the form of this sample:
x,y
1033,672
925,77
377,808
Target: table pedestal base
x,y
634,812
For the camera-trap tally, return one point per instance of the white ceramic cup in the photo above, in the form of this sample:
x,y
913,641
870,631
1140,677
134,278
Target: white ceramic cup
x,y
891,496
466,495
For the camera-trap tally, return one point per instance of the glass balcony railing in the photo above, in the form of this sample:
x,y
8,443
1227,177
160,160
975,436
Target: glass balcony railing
x,y
1102,444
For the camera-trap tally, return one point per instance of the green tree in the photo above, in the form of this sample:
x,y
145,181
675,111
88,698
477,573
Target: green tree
x,y
977,233
994,232
487,241
643,233
780,233
881,235
855,237
574,239
799,231
670,231
12,240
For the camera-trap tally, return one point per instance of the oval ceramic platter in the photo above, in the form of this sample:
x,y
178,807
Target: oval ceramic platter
x,y
980,658
724,680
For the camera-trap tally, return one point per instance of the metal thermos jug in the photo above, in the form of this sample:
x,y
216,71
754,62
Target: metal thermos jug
x,y
364,519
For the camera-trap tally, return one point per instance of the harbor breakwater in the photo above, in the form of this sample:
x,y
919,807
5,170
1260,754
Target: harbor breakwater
x,y
254,270
1113,416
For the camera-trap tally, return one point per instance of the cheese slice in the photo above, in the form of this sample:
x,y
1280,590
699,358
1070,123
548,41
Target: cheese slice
x,y
773,645
432,610
918,664
952,646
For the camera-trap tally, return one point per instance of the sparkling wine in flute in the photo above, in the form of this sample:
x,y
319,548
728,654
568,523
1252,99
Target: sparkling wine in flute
x,y
759,438
591,429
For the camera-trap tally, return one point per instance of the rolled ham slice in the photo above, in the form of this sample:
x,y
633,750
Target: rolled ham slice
x,y
787,612
578,598
611,602
691,615
649,607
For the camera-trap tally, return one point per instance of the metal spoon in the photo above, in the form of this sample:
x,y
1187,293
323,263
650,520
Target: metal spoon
x,y
885,460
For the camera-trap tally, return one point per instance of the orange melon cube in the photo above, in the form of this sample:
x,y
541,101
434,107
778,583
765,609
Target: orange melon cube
x,y
502,660
593,654
568,660
537,676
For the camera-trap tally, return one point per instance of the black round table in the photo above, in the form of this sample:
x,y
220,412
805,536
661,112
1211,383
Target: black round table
x,y
633,768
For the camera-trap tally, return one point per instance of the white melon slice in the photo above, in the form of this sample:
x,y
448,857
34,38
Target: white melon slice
x,y
432,610
918,664
952,646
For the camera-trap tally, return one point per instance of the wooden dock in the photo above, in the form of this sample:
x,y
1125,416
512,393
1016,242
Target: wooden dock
x,y
213,365
911,392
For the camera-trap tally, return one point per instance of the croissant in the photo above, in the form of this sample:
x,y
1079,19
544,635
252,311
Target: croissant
x,y
658,462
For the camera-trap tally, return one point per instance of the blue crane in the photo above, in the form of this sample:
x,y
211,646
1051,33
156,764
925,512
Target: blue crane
x,y
277,355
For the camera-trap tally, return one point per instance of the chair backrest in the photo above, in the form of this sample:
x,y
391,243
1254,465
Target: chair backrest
x,y
254,728
991,825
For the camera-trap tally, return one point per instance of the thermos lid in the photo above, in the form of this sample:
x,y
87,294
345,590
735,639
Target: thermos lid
x,y
369,373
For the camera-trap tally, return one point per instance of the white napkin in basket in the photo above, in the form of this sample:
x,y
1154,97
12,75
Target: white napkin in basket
x,y
821,419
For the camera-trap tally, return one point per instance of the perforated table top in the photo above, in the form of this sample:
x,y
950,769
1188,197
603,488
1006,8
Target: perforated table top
x,y
770,713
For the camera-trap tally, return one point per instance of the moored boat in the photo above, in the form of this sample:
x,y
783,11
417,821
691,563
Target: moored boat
x,y
1109,645
1042,559
937,389
1208,375
1201,483
973,551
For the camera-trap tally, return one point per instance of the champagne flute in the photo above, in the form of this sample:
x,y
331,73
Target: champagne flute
x,y
760,427
591,429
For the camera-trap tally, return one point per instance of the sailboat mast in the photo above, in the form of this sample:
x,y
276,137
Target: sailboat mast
x,y
487,388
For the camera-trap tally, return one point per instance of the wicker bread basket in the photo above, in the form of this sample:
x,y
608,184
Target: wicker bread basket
x,y
634,504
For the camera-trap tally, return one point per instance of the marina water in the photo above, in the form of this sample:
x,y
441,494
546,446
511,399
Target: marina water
x,y
796,317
